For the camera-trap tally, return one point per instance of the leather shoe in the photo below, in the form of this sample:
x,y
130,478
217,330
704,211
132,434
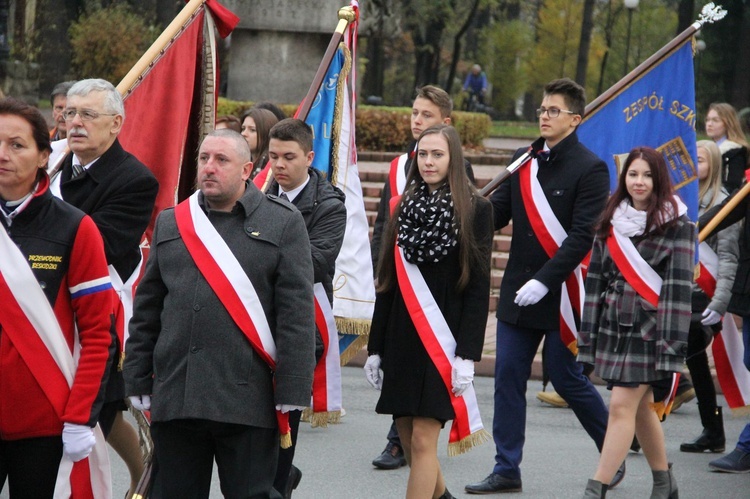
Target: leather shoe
x,y
494,483
683,397
619,475
736,461
391,458
552,398
295,475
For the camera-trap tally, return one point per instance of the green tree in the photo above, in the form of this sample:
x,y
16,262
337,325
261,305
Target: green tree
x,y
107,42
509,42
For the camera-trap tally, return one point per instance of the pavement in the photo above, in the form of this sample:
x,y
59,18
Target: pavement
x,y
558,456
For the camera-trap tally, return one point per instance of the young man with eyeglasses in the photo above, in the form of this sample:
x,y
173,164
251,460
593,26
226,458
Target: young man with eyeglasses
x,y
118,192
560,192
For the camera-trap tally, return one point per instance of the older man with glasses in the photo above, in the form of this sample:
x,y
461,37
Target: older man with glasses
x,y
109,184
554,201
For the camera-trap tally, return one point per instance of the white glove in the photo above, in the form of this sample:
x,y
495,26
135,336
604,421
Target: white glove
x,y
372,372
530,293
284,408
462,374
710,317
78,440
141,402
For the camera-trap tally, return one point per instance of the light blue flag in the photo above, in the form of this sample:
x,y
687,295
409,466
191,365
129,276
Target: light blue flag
x,y
321,116
655,110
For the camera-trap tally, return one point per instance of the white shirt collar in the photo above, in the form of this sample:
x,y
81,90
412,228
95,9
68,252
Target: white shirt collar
x,y
291,195
77,161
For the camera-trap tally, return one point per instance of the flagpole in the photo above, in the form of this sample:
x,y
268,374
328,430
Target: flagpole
x,y
130,80
346,16
709,14
722,214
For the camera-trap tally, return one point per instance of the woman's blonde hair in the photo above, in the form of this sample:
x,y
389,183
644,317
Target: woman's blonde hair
x,y
712,183
728,116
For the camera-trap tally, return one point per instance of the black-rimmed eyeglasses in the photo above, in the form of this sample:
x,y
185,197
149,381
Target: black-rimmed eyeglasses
x,y
552,112
85,114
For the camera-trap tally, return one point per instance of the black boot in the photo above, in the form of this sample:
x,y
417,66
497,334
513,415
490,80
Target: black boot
x,y
595,490
665,486
447,495
712,439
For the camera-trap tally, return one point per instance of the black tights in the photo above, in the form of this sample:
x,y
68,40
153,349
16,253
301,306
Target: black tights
x,y
699,338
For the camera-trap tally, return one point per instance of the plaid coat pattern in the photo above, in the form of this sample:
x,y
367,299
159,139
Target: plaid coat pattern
x,y
622,334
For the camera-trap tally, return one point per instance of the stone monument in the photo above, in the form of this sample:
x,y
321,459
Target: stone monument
x,y
277,47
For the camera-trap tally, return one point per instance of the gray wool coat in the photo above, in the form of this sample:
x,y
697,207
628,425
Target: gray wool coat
x,y
184,348
623,335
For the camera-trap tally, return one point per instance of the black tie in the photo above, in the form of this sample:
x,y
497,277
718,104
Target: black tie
x,y
543,156
283,196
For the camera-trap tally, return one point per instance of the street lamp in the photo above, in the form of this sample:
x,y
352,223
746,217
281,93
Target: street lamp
x,y
631,5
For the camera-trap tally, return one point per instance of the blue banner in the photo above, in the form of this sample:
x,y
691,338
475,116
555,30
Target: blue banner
x,y
656,110
320,118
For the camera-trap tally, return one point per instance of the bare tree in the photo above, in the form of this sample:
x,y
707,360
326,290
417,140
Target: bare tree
x,y
587,26
457,46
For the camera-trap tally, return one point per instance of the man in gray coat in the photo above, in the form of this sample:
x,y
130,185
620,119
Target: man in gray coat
x,y
222,343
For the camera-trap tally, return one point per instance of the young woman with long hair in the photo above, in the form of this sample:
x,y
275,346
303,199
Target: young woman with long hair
x,y
431,306
256,124
708,310
723,127
637,312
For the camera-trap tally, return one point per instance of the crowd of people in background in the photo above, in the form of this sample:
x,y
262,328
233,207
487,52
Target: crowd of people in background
x,y
220,343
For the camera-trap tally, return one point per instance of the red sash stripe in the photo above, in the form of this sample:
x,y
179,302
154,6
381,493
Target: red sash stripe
x,y
629,273
466,429
320,383
226,294
532,213
217,280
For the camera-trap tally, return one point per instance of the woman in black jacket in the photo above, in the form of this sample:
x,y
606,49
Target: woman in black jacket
x,y
431,308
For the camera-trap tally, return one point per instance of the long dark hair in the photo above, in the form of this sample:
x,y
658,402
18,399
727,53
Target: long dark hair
x,y
264,121
657,217
462,193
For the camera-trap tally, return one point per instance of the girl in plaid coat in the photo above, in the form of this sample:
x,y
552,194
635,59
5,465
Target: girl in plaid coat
x,y
637,311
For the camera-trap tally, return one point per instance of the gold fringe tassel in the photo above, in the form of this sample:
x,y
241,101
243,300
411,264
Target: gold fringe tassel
x,y
338,113
323,419
661,411
466,444
353,349
144,432
359,327
320,419
285,440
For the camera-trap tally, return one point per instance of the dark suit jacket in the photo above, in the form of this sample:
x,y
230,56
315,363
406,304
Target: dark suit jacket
x,y
118,192
576,183
185,349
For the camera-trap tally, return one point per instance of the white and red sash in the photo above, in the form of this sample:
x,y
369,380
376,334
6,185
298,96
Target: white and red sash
x,y
232,286
551,235
636,271
124,313
467,430
326,399
397,180
727,346
663,406
46,353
